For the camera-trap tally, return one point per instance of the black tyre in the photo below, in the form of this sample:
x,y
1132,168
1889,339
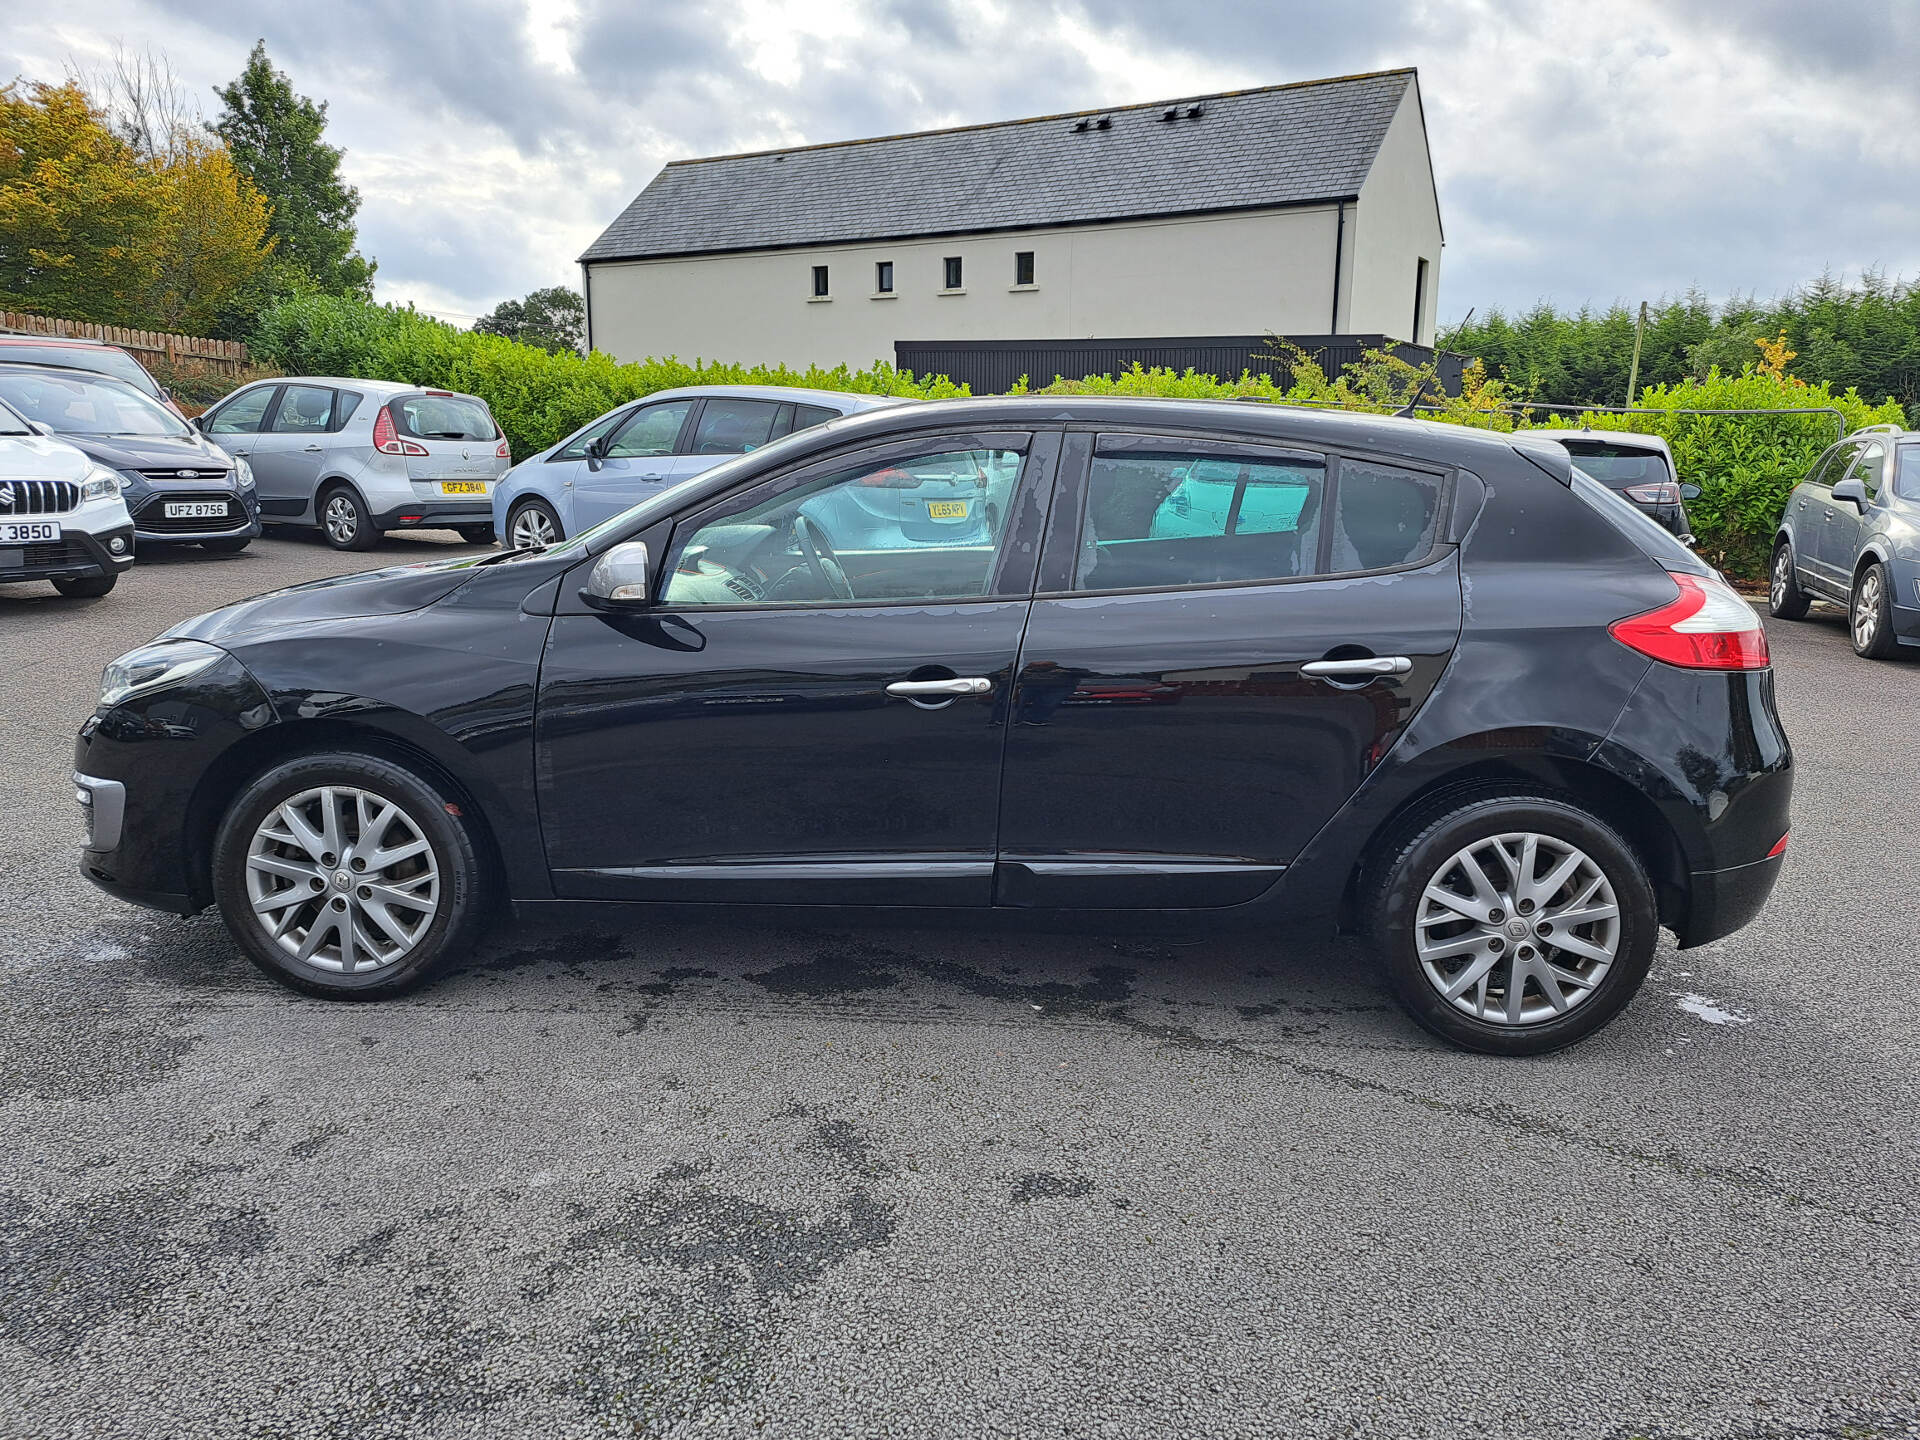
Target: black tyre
x,y
344,520
477,534
349,877
1870,616
90,588
533,523
1543,946
1785,599
231,545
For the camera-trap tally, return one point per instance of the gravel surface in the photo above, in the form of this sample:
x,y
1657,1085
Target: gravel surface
x,y
694,1180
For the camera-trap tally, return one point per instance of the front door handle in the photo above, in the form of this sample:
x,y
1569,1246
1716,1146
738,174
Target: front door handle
x,y
314,449
1371,666
940,689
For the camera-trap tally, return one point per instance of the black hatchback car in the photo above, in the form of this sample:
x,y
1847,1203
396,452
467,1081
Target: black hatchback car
x,y
179,487
1425,682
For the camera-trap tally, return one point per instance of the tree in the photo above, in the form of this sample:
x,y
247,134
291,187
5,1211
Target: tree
x,y
274,138
92,230
555,319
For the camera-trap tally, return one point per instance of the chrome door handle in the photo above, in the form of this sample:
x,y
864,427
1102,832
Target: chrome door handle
x,y
313,449
1356,669
232,451
940,689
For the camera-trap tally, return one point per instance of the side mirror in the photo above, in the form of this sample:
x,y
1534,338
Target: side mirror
x,y
199,422
619,579
1689,492
1852,490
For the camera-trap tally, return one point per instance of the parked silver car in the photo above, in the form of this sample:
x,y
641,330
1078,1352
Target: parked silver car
x,y
358,458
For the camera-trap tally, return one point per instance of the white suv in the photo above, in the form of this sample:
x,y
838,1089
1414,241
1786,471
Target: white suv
x,y
61,515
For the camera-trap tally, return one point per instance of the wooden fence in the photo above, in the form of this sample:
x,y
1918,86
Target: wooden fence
x,y
226,356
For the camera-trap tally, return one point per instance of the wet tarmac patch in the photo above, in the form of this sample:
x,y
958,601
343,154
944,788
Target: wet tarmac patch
x,y
1038,1185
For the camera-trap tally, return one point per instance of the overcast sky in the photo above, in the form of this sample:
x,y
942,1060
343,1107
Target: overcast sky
x,y
1612,149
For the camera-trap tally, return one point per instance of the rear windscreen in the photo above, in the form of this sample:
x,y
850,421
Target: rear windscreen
x,y
1617,466
102,361
443,417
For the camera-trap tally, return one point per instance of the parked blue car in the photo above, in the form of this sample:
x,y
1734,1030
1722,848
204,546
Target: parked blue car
x,y
1851,535
646,445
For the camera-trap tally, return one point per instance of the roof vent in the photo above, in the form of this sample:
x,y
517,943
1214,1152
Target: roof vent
x,y
1105,122
1194,112
1080,127
1171,113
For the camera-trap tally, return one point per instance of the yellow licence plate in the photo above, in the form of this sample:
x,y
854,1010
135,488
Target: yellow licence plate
x,y
946,509
463,487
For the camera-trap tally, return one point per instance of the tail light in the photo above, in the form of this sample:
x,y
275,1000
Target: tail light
x,y
1707,627
502,451
387,440
1664,492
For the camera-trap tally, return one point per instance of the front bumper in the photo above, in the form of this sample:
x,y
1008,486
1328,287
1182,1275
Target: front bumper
x,y
76,555
152,525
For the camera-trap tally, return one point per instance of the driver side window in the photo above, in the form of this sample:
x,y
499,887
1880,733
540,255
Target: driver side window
x,y
925,527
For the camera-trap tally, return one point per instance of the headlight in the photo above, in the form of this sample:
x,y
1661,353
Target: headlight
x,y
243,472
155,667
100,484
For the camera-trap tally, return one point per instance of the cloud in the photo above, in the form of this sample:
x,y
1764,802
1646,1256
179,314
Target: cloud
x,y
1618,149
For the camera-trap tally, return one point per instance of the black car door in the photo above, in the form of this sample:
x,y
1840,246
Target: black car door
x,y
1227,638
813,709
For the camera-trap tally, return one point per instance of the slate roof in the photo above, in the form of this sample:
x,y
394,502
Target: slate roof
x,y
1281,145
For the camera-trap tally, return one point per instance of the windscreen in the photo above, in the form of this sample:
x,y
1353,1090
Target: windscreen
x,y
72,404
102,360
1618,466
443,417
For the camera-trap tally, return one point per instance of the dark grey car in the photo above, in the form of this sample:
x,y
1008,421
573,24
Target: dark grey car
x,y
1851,535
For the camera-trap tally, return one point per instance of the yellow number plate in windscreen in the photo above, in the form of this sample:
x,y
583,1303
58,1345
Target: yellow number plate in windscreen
x,y
463,487
946,509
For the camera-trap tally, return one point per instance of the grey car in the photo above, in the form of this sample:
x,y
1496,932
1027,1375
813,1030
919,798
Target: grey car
x,y
1851,535
357,458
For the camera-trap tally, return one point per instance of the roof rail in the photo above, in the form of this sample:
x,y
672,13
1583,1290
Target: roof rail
x,y
1887,428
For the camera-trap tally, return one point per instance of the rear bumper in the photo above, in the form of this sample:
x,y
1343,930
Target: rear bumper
x,y
438,515
1721,901
77,555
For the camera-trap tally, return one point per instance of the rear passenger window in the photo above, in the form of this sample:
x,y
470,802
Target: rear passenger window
x,y
1164,520
732,427
304,410
1382,516
1906,482
808,415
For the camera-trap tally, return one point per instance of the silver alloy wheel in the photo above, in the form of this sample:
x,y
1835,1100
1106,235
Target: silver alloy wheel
x,y
341,518
1866,610
342,878
531,529
1517,928
1782,577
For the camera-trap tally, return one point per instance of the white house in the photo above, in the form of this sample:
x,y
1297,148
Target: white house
x,y
1298,209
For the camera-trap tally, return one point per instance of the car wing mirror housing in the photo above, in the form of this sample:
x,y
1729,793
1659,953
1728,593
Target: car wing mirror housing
x,y
1689,492
1853,491
199,422
620,579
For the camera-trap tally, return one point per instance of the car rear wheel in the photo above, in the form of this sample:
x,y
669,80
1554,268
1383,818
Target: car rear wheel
x,y
91,587
348,877
1785,599
1870,616
345,522
1514,924
532,525
477,534
231,545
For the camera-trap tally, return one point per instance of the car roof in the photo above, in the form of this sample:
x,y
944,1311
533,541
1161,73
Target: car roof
x,y
351,382
27,337
846,401
76,372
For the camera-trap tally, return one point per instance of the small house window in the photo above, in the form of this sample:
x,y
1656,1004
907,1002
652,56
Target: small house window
x,y
953,272
820,282
883,278
1419,296
1023,267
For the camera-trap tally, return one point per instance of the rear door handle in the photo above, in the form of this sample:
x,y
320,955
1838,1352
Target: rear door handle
x,y
940,689
1371,666
315,449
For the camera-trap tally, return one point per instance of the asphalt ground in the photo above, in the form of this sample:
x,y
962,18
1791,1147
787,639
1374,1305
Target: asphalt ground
x,y
681,1179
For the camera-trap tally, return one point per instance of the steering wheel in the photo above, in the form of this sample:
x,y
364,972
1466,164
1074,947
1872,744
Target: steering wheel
x,y
821,560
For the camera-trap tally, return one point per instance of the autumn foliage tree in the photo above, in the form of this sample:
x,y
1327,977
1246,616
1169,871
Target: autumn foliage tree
x,y
93,229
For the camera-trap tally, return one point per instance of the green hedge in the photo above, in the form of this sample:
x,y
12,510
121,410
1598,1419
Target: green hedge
x,y
536,396
1744,465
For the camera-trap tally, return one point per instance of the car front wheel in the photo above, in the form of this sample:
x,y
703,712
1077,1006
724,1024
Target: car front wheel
x,y
1871,614
345,522
1514,924
533,525
1785,599
348,877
